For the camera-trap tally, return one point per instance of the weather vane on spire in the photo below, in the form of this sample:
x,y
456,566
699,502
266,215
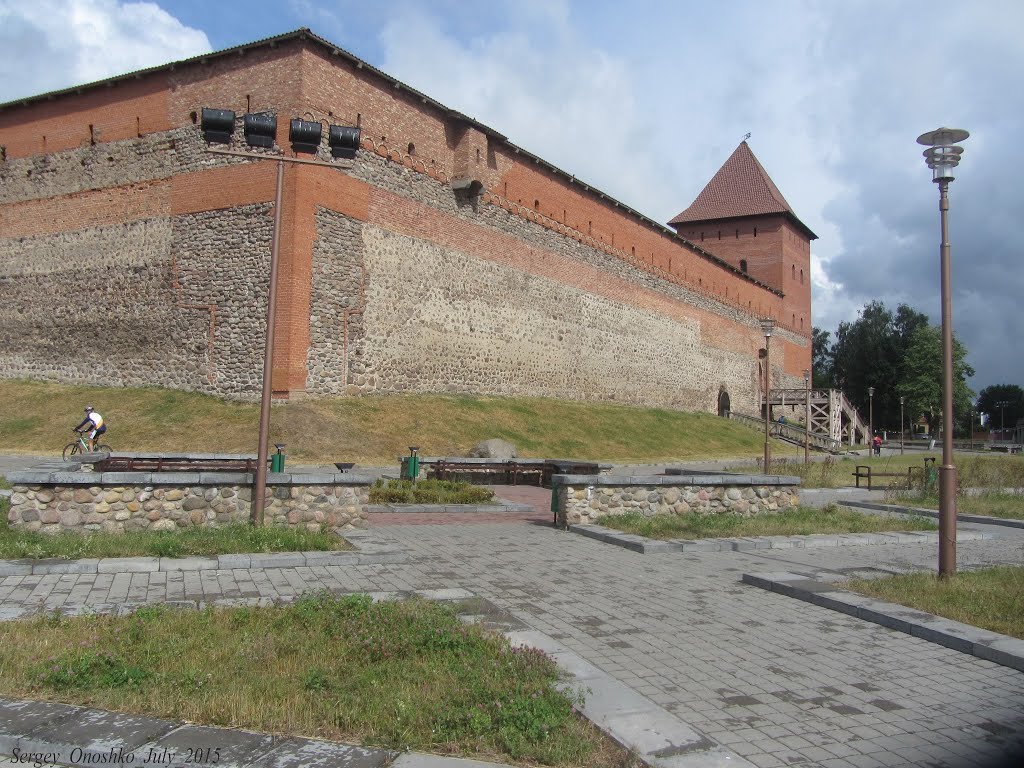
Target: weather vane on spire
x,y
747,136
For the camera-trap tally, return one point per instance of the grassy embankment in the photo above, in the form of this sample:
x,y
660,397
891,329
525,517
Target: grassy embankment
x,y
37,418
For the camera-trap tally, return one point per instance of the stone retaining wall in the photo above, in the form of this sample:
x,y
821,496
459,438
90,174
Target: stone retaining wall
x,y
584,499
120,502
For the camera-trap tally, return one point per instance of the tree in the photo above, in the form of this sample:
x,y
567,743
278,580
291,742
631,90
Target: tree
x,y
989,400
871,352
866,354
921,383
821,360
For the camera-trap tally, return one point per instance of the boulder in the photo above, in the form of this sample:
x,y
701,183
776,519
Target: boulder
x,y
494,448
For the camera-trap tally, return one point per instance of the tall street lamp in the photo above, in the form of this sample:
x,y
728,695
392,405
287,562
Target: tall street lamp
x,y
942,156
767,326
260,130
871,418
1002,418
901,426
807,415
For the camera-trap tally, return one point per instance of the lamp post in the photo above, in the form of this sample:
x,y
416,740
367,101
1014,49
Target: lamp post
x,y
942,156
1002,418
871,418
260,130
901,426
767,326
807,415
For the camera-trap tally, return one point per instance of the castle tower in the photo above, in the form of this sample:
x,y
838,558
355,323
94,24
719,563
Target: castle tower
x,y
742,217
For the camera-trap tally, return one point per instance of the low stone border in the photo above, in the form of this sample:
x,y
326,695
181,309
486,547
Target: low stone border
x,y
923,512
58,497
647,546
991,646
583,499
369,551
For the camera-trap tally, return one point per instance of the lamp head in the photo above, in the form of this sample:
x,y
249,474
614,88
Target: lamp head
x,y
942,155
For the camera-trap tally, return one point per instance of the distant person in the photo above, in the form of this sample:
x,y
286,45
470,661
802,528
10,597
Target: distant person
x,y
876,444
93,423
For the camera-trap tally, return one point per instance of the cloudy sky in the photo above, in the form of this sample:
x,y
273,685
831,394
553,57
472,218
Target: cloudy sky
x,y
646,99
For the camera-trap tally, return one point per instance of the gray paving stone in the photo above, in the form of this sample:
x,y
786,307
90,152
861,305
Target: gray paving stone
x,y
223,747
128,565
55,565
277,560
420,760
230,562
331,558
188,563
19,718
98,737
310,753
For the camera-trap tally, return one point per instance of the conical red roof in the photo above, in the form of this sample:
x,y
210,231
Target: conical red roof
x,y
741,187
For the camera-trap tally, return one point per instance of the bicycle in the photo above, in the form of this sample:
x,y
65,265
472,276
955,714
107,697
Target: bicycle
x,y
81,446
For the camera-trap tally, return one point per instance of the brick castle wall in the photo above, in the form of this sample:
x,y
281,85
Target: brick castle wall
x,y
130,255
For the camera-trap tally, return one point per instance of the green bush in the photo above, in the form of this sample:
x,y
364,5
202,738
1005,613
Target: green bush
x,y
429,492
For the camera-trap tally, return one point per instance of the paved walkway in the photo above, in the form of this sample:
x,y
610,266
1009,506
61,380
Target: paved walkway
x,y
775,680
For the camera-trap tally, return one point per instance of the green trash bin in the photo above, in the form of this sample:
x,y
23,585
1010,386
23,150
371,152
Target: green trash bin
x,y
277,459
412,465
931,474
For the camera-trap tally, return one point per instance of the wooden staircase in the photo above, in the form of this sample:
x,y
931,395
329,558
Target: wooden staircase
x,y
833,419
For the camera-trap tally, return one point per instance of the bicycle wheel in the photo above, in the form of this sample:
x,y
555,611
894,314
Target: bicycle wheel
x,y
72,449
103,448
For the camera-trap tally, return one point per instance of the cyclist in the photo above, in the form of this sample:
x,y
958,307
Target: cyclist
x,y
96,427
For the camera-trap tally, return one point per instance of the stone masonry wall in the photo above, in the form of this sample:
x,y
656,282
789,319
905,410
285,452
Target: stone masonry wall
x,y
582,502
124,508
440,320
157,302
335,313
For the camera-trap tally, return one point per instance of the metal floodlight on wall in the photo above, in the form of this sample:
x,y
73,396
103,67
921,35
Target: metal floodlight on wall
x,y
344,141
260,129
305,135
217,125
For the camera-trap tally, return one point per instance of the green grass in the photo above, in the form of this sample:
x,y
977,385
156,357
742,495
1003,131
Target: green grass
x,y
391,674
368,430
1004,505
800,522
429,492
973,471
187,542
991,598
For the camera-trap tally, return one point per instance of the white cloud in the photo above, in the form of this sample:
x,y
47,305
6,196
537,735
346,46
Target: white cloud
x,y
55,44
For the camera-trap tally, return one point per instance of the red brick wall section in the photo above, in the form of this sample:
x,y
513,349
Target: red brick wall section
x,y
86,209
122,111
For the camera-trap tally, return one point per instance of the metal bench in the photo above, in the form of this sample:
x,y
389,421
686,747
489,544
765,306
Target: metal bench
x,y
868,473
